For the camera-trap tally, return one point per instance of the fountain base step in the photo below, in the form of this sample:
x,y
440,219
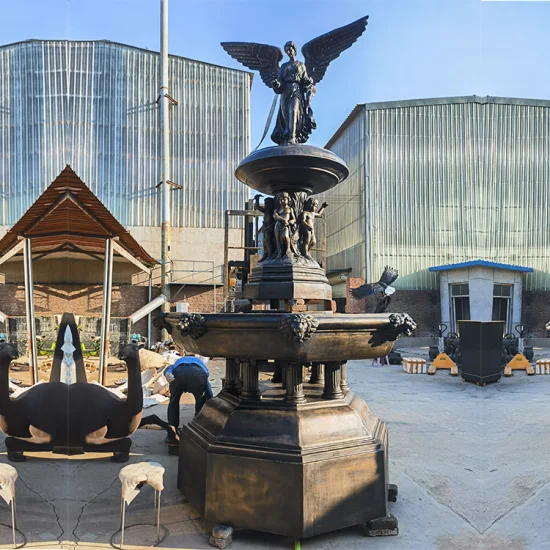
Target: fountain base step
x,y
293,470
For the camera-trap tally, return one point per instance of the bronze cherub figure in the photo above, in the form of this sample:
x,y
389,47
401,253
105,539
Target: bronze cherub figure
x,y
295,81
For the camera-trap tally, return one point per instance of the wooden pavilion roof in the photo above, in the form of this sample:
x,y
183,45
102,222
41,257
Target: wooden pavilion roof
x,y
69,217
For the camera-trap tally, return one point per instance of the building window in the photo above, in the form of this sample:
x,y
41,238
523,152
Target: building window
x,y
460,304
502,302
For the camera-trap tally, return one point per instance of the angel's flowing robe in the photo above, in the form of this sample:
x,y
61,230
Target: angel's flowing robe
x,y
295,120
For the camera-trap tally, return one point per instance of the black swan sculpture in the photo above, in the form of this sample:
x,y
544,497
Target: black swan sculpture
x,y
67,414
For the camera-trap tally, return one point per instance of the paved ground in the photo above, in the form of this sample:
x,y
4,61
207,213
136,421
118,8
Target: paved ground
x,y
471,464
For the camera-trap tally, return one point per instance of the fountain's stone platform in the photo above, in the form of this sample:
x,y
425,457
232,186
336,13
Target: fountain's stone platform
x,y
295,337
293,470
292,168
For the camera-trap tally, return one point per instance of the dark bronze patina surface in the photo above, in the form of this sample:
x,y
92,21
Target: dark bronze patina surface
x,y
291,469
295,81
301,337
293,168
289,457
293,172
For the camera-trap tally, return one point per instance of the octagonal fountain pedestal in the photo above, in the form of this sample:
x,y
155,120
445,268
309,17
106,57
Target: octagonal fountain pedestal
x,y
296,458
291,456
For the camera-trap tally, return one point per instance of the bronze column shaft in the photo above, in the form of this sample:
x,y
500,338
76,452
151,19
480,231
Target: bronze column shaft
x,y
317,373
344,377
251,380
333,379
284,367
294,375
232,376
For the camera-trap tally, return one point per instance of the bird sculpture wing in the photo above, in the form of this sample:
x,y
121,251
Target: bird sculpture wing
x,y
389,276
258,57
319,52
366,290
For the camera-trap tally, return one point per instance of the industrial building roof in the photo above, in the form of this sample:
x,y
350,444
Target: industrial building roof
x,y
69,217
403,103
110,42
482,263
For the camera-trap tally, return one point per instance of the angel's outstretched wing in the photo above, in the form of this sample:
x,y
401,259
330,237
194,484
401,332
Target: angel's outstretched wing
x,y
389,276
319,52
258,57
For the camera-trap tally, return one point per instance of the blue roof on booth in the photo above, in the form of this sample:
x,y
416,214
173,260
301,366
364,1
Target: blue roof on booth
x,y
482,263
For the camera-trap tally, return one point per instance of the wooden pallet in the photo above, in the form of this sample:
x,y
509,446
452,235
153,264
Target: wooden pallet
x,y
414,365
542,366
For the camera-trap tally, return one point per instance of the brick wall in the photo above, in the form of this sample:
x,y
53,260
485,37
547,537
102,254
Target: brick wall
x,y
78,299
88,300
200,298
422,305
536,311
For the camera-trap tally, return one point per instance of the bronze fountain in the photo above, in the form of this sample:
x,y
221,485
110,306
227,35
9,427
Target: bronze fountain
x,y
294,458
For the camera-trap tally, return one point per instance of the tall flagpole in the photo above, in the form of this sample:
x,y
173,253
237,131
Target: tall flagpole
x,y
165,156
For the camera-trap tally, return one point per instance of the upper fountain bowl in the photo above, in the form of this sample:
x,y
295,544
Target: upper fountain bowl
x,y
292,168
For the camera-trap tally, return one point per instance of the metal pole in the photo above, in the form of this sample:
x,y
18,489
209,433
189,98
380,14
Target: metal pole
x,y
165,157
214,287
226,260
149,316
147,309
29,306
106,312
324,244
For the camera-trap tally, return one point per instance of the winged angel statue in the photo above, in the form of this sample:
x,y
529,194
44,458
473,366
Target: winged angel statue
x,y
295,81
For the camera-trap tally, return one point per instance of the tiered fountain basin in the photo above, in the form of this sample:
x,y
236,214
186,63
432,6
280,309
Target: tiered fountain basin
x,y
292,168
295,337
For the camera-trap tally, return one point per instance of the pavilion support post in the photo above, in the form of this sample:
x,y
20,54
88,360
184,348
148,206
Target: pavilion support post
x,y
106,311
149,316
29,304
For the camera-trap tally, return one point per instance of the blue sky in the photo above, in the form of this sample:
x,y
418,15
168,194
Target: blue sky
x,y
411,49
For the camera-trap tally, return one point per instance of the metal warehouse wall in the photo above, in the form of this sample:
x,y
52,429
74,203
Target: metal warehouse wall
x,y
447,182
345,215
93,105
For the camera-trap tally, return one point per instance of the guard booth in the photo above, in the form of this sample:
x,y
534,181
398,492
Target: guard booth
x,y
481,290
68,236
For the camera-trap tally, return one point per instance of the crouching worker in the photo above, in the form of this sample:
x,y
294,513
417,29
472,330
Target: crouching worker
x,y
187,375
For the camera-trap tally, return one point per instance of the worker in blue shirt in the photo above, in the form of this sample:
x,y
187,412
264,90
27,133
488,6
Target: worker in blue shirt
x,y
188,374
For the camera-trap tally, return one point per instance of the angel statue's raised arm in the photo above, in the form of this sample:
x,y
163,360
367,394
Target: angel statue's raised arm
x,y
295,81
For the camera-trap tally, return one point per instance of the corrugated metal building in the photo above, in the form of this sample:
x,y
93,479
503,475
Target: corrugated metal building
x,y
93,105
442,181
